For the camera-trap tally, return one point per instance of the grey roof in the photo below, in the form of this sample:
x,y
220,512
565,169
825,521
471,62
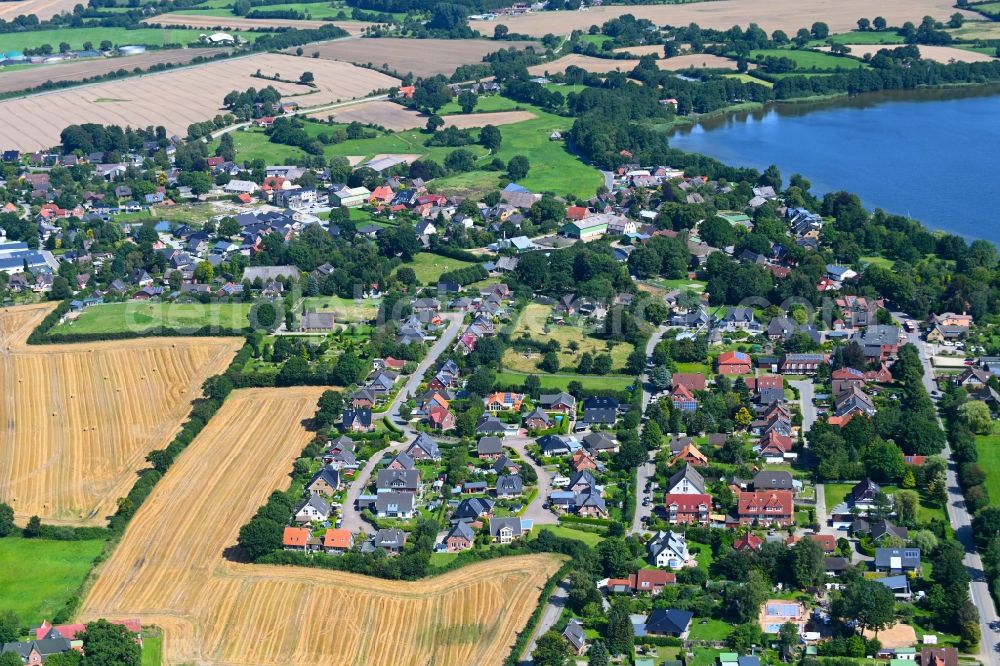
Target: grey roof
x,y
865,490
574,634
692,475
549,399
510,484
835,563
894,583
669,621
472,508
462,530
397,478
389,538
497,524
768,480
489,446
328,474
404,459
599,441
908,558
883,528
503,463
551,444
44,647
316,502
396,502
425,443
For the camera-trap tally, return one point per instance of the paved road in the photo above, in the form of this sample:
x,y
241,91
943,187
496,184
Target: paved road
x,y
352,517
534,511
645,471
654,340
807,393
553,609
961,521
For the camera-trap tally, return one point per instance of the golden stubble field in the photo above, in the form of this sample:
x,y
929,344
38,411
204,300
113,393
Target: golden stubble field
x,y
787,15
175,99
77,421
169,568
43,9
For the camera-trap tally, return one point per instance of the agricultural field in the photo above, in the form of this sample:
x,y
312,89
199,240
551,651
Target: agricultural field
x,y
75,37
424,57
35,75
977,30
642,50
588,63
80,419
696,61
560,381
943,54
806,60
143,316
397,118
212,609
787,15
43,9
534,321
863,37
175,99
40,575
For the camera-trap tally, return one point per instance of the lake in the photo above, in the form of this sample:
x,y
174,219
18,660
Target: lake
x,y
932,155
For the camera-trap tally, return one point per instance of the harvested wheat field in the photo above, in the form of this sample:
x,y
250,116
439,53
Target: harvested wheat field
x,y
942,54
78,420
421,57
379,112
643,50
43,9
496,118
169,569
240,23
175,99
787,15
23,79
588,63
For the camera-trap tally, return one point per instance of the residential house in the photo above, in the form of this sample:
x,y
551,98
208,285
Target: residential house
x,y
391,540
648,581
863,494
299,539
897,560
599,442
878,342
840,273
472,509
460,537
563,403
683,509
843,379
858,311
668,549
693,381
600,411
337,541
938,656
774,507
879,530
802,364
317,322
553,445
357,420
509,486
734,363
748,542
573,633
849,403
424,448
952,319
668,622
504,401
538,420
582,460
325,482
691,455
506,530
683,399
398,480
775,447
395,505
737,319
834,566
313,509
686,481
402,461
489,448
773,480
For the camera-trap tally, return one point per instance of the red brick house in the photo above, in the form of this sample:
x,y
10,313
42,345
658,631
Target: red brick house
x,y
441,419
734,363
774,507
582,460
683,509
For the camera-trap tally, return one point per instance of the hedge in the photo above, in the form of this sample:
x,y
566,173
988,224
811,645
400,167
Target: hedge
x,y
516,650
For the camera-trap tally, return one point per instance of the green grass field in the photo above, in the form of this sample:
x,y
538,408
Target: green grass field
x,y
712,630
141,316
588,538
152,650
75,37
485,103
747,78
553,168
534,322
988,447
39,576
429,267
858,37
561,381
835,493
809,60
347,309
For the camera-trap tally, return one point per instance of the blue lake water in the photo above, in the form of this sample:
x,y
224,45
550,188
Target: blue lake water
x,y
933,155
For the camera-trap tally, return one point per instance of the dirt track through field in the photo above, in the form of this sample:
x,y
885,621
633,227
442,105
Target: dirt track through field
x,y
169,568
78,420
421,57
23,79
787,15
175,99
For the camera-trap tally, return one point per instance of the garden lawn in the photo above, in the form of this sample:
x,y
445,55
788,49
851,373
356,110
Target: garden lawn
x,y
192,214
40,575
988,447
835,493
704,558
589,538
806,60
347,309
429,267
560,381
142,316
152,650
712,630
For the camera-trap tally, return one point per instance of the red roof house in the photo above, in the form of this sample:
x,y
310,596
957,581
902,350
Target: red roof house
x,y
734,363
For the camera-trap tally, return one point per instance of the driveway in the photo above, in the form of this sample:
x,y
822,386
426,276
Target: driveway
x,y
553,609
352,517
